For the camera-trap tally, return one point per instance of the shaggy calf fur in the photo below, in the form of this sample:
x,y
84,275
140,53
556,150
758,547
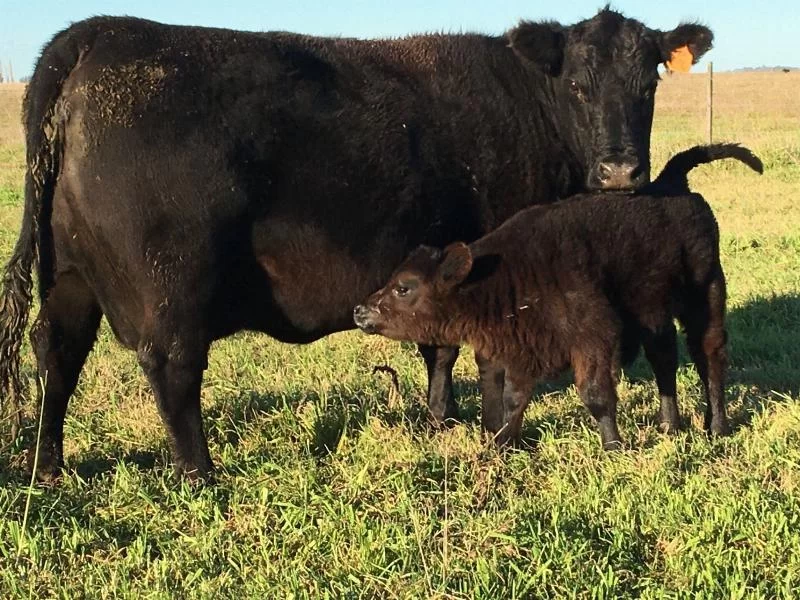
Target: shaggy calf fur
x,y
584,284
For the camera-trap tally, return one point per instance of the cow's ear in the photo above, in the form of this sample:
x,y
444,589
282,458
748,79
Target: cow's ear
x,y
539,43
455,266
685,45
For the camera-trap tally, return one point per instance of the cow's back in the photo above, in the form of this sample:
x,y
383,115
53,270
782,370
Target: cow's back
x,y
279,177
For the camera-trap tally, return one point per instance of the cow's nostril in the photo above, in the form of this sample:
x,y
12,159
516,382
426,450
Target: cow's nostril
x,y
617,174
604,171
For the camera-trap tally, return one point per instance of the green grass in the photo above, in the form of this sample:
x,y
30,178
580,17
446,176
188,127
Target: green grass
x,y
332,485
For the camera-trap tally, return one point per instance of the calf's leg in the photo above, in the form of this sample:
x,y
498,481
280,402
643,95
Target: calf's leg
x,y
492,378
62,337
596,380
516,395
439,361
706,338
661,351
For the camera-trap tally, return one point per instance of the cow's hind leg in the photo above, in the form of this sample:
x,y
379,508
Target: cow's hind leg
x,y
173,355
706,337
62,337
661,351
439,361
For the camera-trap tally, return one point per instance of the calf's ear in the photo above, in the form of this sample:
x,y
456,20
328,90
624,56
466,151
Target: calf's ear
x,y
685,45
539,43
455,266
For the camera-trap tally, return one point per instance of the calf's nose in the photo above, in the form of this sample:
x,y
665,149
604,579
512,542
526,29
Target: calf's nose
x,y
360,316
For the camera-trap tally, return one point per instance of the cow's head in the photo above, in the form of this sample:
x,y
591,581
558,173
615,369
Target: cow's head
x,y
417,303
602,73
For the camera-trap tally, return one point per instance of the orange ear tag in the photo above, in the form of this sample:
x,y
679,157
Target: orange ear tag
x,y
681,60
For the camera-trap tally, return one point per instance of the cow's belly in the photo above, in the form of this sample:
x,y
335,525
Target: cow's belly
x,y
302,285
149,211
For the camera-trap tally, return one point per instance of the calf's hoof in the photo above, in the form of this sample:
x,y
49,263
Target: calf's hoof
x,y
669,422
444,420
669,427
719,427
506,438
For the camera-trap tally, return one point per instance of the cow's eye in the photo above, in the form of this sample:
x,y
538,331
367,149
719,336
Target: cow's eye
x,y
400,291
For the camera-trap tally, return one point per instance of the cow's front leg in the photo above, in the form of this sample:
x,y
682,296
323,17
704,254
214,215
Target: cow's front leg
x,y
174,367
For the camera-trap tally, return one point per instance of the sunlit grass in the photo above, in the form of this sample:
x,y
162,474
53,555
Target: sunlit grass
x,y
331,483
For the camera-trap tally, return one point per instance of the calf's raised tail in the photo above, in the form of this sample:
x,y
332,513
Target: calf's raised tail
x,y
43,129
673,178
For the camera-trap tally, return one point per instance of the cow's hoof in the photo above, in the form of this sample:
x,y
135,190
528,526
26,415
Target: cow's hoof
x,y
49,469
194,476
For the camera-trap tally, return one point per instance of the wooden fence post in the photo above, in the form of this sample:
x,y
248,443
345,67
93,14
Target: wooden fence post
x,y
710,103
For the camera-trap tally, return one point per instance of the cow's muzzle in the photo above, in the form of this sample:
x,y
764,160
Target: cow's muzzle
x,y
618,173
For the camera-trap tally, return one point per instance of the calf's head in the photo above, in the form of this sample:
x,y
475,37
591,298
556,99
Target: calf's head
x,y
418,302
602,74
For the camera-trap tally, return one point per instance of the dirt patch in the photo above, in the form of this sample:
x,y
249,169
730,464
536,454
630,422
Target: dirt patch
x,y
121,92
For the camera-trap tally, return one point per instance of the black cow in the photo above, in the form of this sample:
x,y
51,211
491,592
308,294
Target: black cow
x,y
188,183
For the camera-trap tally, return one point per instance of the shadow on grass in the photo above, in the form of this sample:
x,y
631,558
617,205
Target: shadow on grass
x,y
16,472
763,343
764,357
338,410
94,466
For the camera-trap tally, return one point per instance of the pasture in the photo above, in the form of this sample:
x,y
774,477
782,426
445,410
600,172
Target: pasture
x,y
331,484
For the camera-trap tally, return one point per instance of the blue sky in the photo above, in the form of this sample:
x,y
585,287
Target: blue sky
x,y
748,34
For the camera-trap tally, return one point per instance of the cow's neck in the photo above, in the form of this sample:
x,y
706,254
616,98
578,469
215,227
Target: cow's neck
x,y
546,165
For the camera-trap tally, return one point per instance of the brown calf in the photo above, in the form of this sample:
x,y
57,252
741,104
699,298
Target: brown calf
x,y
584,284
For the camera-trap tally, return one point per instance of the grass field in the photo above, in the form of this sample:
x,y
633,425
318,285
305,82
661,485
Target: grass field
x,y
332,485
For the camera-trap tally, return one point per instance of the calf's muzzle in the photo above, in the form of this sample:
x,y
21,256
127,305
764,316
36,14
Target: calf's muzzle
x,y
363,317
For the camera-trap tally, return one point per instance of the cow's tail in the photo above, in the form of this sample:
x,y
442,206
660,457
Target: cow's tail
x,y
43,116
14,307
674,175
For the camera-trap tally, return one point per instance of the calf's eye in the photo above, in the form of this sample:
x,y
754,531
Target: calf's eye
x,y
400,291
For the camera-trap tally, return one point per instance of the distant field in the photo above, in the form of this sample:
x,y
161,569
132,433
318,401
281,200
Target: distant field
x,y
332,485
